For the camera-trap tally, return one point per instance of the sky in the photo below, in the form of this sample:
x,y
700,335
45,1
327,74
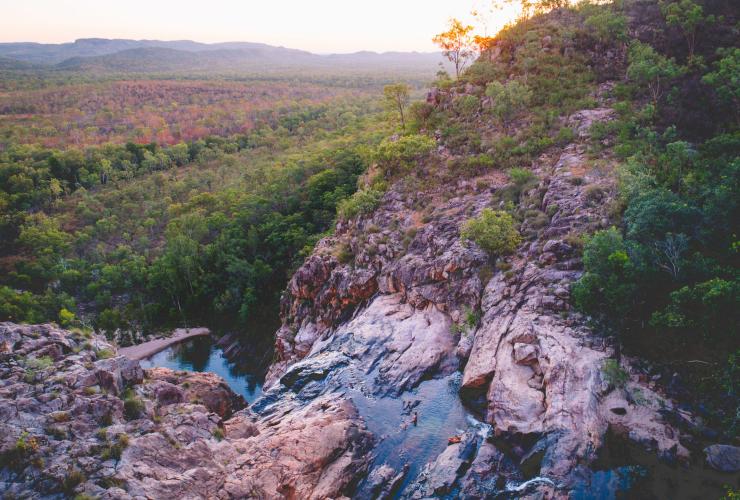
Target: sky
x,y
321,26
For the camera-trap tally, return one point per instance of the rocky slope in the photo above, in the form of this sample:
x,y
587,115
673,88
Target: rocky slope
x,y
79,420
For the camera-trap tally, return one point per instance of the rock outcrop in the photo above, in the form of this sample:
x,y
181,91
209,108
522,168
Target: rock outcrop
x,y
78,419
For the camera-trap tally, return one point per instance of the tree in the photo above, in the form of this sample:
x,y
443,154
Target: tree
x,y
726,77
607,290
649,68
687,16
494,231
397,98
507,100
457,44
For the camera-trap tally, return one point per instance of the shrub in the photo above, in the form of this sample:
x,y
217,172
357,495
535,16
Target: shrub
x,y
363,202
344,254
66,317
19,456
72,480
507,100
494,231
41,363
133,407
104,354
467,105
520,176
397,156
566,135
218,434
614,374
607,26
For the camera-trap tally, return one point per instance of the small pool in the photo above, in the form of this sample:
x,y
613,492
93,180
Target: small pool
x,y
201,354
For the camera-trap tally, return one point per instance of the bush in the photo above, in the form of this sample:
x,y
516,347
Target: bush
x,y
133,407
467,105
494,231
507,100
520,176
566,135
397,156
614,374
362,202
607,26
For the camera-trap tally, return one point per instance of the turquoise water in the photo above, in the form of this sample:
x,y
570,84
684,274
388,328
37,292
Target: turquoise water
x,y
202,355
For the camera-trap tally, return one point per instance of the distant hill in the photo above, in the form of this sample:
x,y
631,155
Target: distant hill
x,y
120,55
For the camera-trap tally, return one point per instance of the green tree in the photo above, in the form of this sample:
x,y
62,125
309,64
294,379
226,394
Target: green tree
x,y
725,77
606,290
494,231
507,100
688,17
711,307
397,98
649,68
457,44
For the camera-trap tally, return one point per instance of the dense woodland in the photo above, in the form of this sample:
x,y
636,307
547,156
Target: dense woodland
x,y
147,231
195,206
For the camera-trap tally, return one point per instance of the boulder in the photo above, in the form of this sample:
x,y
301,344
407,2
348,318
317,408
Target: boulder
x,y
723,457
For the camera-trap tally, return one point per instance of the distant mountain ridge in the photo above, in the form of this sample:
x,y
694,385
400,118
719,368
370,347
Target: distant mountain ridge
x,y
101,54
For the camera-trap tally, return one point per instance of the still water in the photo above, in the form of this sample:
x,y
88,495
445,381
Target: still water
x,y
201,354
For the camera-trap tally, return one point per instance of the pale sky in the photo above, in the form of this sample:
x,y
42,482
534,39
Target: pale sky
x,y
316,25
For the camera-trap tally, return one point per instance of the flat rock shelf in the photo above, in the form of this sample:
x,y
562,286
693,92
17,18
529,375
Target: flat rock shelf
x,y
149,349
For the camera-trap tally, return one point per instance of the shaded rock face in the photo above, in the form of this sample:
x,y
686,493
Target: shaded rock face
x,y
73,423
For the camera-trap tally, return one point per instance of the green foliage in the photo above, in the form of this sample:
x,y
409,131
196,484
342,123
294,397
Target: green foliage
x,y
218,237
72,479
507,100
467,105
494,231
396,99
614,374
725,76
66,317
520,176
688,17
113,451
363,202
607,26
606,289
398,156
710,307
18,457
650,69
133,407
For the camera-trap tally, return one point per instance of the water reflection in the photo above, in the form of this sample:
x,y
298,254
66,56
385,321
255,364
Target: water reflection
x,y
200,354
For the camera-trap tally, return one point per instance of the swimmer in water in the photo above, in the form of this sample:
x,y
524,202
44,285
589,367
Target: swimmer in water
x,y
416,416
